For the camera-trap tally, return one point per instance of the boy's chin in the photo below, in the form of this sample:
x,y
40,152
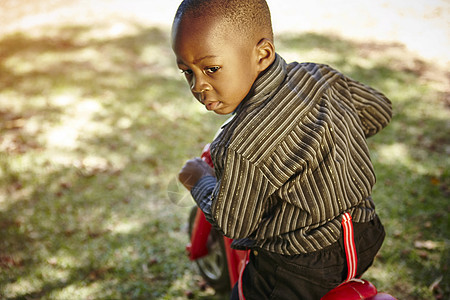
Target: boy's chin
x,y
223,111
219,112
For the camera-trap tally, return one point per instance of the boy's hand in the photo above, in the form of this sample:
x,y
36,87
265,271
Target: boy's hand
x,y
193,170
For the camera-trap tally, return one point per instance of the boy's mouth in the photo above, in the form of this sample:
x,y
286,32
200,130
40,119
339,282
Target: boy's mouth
x,y
212,105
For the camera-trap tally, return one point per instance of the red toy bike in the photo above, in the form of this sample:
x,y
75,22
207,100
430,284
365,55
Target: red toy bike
x,y
221,266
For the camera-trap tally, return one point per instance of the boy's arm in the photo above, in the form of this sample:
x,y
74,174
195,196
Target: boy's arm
x,y
238,200
234,203
374,109
201,192
198,177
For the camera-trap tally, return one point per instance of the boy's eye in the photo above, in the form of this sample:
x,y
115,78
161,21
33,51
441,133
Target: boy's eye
x,y
186,72
212,70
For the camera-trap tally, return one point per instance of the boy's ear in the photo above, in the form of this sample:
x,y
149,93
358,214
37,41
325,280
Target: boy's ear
x,y
266,54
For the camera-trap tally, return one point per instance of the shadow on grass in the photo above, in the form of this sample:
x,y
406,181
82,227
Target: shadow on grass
x,y
93,129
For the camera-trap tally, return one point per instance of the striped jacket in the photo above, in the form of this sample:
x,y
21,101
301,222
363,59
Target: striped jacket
x,y
293,159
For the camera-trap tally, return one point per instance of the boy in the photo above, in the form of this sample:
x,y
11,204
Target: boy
x,y
293,160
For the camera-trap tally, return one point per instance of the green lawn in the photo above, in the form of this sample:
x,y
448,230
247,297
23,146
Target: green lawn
x,y
93,130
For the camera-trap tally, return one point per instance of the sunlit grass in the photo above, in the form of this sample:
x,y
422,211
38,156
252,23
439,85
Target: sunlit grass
x,y
96,122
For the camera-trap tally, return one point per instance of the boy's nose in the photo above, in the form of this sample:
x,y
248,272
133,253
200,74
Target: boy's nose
x,y
199,86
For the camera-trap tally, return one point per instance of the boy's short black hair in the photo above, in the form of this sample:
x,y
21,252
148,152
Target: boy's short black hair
x,y
247,17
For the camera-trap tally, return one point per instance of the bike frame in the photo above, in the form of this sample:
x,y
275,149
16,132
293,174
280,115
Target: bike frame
x,y
197,248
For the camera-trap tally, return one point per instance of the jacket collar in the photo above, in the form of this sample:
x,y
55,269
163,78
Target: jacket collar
x,y
266,85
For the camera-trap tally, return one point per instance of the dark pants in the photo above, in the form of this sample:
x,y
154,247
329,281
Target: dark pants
x,y
308,276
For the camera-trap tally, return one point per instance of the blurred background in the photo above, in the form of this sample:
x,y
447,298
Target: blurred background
x,y
96,120
423,26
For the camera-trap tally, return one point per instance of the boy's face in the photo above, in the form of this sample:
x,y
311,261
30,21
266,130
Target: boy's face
x,y
219,67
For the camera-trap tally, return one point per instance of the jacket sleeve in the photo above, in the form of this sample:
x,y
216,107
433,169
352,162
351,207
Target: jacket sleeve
x,y
373,108
202,192
235,205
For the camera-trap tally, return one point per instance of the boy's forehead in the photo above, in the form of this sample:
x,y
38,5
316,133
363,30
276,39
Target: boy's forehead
x,y
200,30
204,24
209,30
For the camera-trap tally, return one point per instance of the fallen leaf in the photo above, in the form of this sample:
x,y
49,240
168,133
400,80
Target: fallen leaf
x,y
435,181
189,294
422,254
7,262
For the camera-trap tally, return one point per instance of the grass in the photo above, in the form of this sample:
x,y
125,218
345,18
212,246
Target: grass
x,y
94,128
